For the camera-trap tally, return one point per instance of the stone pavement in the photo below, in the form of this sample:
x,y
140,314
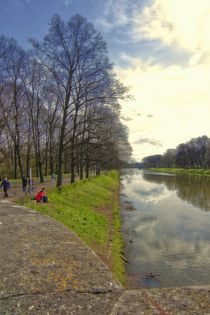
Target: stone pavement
x,y
46,269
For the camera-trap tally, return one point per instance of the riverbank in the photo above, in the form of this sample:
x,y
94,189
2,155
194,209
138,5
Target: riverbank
x,y
183,171
90,208
47,269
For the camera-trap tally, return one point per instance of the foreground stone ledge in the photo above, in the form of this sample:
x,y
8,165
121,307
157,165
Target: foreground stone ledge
x,y
184,301
46,269
59,303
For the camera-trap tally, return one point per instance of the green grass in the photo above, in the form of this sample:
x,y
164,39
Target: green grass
x,y
117,246
184,171
81,207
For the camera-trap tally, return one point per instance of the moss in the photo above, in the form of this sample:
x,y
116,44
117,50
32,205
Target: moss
x,y
117,246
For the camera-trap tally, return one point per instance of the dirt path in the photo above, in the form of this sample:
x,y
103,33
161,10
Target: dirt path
x,y
16,188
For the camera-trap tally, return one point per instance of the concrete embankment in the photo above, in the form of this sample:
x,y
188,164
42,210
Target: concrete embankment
x,y
46,269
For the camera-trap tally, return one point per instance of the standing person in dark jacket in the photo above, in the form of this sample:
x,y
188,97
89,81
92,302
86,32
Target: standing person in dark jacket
x,y
24,183
6,185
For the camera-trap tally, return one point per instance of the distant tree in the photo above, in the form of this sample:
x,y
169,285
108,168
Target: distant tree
x,y
168,158
192,154
152,160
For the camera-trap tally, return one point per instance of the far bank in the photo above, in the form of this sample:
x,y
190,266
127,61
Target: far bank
x,y
183,171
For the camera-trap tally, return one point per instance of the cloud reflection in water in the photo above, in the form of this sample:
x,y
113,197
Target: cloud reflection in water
x,y
169,234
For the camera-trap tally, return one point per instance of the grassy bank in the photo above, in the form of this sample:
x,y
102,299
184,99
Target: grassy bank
x,y
184,171
90,208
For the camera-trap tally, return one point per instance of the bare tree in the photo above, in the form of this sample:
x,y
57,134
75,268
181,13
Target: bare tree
x,y
76,57
12,94
59,105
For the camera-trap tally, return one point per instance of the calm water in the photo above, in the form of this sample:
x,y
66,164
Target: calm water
x,y
166,225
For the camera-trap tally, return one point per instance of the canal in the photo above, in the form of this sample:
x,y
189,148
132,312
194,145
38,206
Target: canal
x,y
166,227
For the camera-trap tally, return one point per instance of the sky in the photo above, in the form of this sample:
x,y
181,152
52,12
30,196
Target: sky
x,y
161,51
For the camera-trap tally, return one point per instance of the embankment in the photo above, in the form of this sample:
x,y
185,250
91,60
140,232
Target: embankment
x,y
90,208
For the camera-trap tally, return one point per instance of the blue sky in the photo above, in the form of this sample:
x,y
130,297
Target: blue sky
x,y
23,19
29,18
161,50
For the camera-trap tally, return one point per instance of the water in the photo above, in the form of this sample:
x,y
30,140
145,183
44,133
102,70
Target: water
x,y
166,225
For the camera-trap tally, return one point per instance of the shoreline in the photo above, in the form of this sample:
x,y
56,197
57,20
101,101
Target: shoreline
x,y
182,171
91,209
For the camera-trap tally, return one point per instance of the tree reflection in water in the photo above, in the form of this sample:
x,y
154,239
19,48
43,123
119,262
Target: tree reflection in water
x,y
193,189
167,233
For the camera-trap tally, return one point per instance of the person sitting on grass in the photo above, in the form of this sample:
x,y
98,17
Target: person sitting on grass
x,y
41,196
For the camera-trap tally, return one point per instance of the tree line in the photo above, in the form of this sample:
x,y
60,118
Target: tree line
x,y
192,154
59,104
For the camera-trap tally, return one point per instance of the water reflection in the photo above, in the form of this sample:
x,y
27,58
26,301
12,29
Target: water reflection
x,y
167,234
193,189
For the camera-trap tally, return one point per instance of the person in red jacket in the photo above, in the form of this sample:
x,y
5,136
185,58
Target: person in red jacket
x,y
41,196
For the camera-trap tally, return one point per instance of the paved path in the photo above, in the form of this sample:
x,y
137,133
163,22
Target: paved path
x,y
47,270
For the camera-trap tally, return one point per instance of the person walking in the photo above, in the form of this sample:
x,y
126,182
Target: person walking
x,y
24,183
6,185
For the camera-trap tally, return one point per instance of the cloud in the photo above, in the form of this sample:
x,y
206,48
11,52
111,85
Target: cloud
x,y
178,97
136,131
154,142
126,118
118,14
114,14
68,2
185,24
175,92
176,24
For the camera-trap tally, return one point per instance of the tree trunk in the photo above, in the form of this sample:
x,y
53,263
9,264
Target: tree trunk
x,y
61,150
19,161
40,172
87,169
28,152
51,157
46,158
72,167
15,162
60,163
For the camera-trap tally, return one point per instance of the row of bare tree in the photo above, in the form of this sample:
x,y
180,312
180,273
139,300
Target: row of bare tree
x,y
59,104
192,154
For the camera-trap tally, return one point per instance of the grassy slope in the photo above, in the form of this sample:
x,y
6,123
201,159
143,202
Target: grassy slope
x,y
202,172
90,208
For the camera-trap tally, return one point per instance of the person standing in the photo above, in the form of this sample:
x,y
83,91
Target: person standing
x,y
53,178
30,185
24,183
6,185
